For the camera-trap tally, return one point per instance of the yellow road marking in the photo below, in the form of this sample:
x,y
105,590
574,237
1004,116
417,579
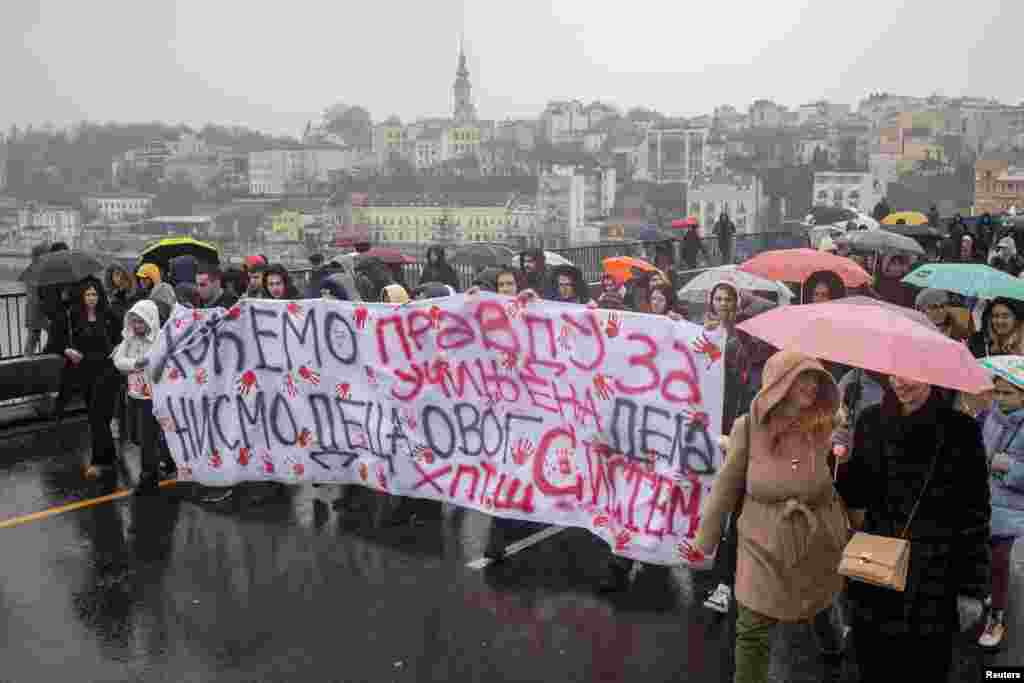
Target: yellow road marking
x,y
71,507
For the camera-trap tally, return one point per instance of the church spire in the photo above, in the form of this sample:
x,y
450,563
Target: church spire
x,y
463,110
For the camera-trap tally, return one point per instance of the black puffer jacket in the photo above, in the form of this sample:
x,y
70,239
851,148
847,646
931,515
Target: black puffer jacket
x,y
949,544
439,270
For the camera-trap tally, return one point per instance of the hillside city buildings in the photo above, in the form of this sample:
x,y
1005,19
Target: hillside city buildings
x,y
577,173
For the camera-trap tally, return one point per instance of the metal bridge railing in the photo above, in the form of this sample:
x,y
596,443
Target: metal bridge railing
x,y
14,337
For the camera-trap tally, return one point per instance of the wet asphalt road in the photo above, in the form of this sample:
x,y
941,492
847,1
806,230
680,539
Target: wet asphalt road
x,y
288,589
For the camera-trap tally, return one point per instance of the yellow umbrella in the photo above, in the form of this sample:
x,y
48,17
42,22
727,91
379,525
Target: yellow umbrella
x,y
162,251
908,217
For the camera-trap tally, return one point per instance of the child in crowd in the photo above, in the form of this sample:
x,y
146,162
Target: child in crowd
x,y
141,326
1004,446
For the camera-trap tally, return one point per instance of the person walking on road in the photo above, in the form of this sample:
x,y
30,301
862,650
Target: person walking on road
x,y
792,528
725,229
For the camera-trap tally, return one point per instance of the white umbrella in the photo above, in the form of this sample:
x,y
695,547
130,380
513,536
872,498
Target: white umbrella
x,y
552,259
697,289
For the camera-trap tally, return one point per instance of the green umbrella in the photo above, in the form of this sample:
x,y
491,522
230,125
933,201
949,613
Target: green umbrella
x,y
967,279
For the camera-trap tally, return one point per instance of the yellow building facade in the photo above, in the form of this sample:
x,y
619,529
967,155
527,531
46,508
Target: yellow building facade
x,y
421,224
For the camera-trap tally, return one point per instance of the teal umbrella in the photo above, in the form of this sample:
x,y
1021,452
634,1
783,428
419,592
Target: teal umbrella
x,y
968,279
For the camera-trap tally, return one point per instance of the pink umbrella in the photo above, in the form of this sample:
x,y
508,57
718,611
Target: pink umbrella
x,y
796,265
873,338
681,223
908,313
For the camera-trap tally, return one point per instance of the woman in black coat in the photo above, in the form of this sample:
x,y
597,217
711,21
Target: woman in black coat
x,y
85,333
896,445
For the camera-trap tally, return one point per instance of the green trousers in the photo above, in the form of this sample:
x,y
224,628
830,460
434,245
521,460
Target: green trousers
x,y
754,642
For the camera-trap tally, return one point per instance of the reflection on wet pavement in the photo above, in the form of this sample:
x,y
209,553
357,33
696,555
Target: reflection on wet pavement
x,y
289,589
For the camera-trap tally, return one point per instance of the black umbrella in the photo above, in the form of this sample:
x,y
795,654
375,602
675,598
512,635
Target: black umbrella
x,y
162,251
918,232
484,255
61,268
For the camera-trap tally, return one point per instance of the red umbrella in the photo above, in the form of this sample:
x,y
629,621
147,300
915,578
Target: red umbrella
x,y
388,256
796,265
681,223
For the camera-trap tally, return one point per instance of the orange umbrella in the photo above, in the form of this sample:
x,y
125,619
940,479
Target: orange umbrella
x,y
796,265
621,267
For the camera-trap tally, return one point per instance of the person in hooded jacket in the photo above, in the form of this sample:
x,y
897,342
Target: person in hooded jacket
x,y
952,244
1002,429
183,270
533,271
1000,333
693,246
792,528
85,334
438,269
889,284
340,286
953,321
912,455
141,327
1004,257
165,299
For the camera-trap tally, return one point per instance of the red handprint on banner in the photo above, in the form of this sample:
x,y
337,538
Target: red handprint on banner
x,y
244,456
435,317
305,438
565,335
612,325
234,312
215,460
705,347
522,451
309,375
697,417
600,521
268,464
409,419
173,374
198,315
603,385
424,454
371,376
512,310
201,376
344,390
509,360
246,383
295,310
382,479
622,539
691,554
289,386
361,315
564,456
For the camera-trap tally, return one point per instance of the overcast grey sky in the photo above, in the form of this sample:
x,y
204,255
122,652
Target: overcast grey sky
x,y
273,66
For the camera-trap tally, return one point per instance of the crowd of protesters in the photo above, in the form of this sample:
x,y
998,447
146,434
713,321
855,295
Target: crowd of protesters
x,y
806,441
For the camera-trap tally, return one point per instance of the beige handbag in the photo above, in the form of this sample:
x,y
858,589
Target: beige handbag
x,y
882,560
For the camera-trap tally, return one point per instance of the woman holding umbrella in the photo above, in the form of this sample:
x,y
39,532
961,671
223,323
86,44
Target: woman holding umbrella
x,y
86,335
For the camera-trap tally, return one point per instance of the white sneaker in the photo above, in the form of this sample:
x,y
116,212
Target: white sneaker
x,y
720,600
995,630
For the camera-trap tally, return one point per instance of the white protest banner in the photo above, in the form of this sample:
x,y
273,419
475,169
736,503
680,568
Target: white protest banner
x,y
534,410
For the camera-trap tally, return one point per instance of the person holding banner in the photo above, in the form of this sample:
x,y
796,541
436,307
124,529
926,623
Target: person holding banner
x,y
792,528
